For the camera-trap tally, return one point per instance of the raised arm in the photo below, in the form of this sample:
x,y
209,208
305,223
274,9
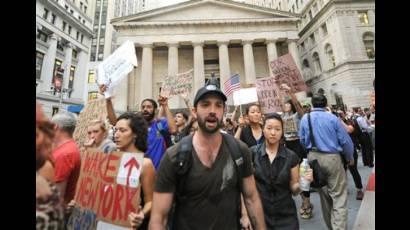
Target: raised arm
x,y
112,118
163,102
293,98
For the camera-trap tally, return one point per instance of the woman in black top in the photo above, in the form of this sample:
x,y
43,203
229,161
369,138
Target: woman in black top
x,y
277,176
251,134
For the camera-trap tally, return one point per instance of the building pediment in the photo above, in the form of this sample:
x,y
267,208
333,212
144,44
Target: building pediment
x,y
205,11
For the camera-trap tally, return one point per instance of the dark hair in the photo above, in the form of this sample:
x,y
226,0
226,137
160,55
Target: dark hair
x,y
292,106
139,126
276,117
183,114
319,101
247,108
154,104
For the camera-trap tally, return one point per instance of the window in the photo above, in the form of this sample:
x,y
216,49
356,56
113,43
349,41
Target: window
x,y
363,17
368,40
66,7
64,25
102,40
82,36
94,42
79,18
85,9
45,15
53,18
60,46
297,4
310,14
100,57
92,95
293,8
81,6
42,36
91,76
316,63
312,39
71,11
77,35
324,29
75,54
71,77
330,55
306,63
39,63
83,21
69,30
58,75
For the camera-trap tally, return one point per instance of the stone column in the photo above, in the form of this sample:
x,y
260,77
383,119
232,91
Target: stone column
x,y
249,62
146,72
272,52
371,16
175,101
293,50
199,68
173,58
224,67
67,64
48,63
81,77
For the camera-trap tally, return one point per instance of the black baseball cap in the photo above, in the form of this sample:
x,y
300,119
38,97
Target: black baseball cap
x,y
208,89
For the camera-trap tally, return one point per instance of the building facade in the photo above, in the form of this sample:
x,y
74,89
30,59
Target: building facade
x,y
63,38
337,49
209,36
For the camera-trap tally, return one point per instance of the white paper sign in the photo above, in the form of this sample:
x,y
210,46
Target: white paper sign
x,y
130,169
107,226
245,96
114,68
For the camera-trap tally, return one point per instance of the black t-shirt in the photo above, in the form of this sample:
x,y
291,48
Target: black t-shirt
x,y
248,138
273,184
211,193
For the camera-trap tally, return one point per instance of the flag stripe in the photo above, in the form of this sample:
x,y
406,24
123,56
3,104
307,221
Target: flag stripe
x,y
232,84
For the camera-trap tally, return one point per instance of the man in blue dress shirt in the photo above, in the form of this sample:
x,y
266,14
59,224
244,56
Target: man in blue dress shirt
x,y
331,143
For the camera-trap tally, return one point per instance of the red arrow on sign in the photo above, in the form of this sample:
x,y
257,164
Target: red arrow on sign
x,y
131,163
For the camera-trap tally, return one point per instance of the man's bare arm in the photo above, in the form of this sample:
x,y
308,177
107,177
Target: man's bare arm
x,y
161,205
253,203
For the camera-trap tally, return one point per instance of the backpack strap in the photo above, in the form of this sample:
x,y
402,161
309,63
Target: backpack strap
x,y
184,163
237,156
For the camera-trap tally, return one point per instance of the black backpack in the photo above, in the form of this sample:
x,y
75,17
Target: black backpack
x,y
184,164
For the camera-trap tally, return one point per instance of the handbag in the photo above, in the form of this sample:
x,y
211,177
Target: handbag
x,y
319,175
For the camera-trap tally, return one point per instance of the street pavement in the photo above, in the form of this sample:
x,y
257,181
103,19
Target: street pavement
x,y
317,222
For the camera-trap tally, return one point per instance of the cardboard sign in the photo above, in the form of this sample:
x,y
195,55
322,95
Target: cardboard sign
x,y
268,95
113,69
94,109
284,70
98,195
245,96
180,84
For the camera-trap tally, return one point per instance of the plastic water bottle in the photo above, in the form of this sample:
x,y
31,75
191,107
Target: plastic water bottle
x,y
303,183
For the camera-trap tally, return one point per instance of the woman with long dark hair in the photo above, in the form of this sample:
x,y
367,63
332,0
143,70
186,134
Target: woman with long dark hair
x,y
131,136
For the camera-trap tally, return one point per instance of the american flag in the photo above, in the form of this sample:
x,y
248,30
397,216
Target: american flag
x,y
232,84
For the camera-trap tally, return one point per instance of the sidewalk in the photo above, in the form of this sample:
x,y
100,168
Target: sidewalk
x,y
365,219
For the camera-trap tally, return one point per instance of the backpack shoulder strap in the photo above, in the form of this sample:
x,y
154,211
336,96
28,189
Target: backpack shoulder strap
x,y
236,154
183,163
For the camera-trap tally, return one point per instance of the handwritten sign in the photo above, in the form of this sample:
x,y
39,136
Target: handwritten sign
x,y
94,109
245,96
113,69
284,70
268,95
180,84
99,198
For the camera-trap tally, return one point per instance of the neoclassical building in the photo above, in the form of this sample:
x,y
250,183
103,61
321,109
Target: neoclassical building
x,y
208,36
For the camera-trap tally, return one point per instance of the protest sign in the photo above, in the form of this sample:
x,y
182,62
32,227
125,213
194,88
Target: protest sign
x,y
94,109
99,197
268,95
180,84
114,68
245,96
284,70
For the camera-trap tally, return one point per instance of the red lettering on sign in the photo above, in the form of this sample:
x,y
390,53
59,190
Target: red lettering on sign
x,y
93,196
110,167
119,193
100,165
129,205
107,201
131,163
